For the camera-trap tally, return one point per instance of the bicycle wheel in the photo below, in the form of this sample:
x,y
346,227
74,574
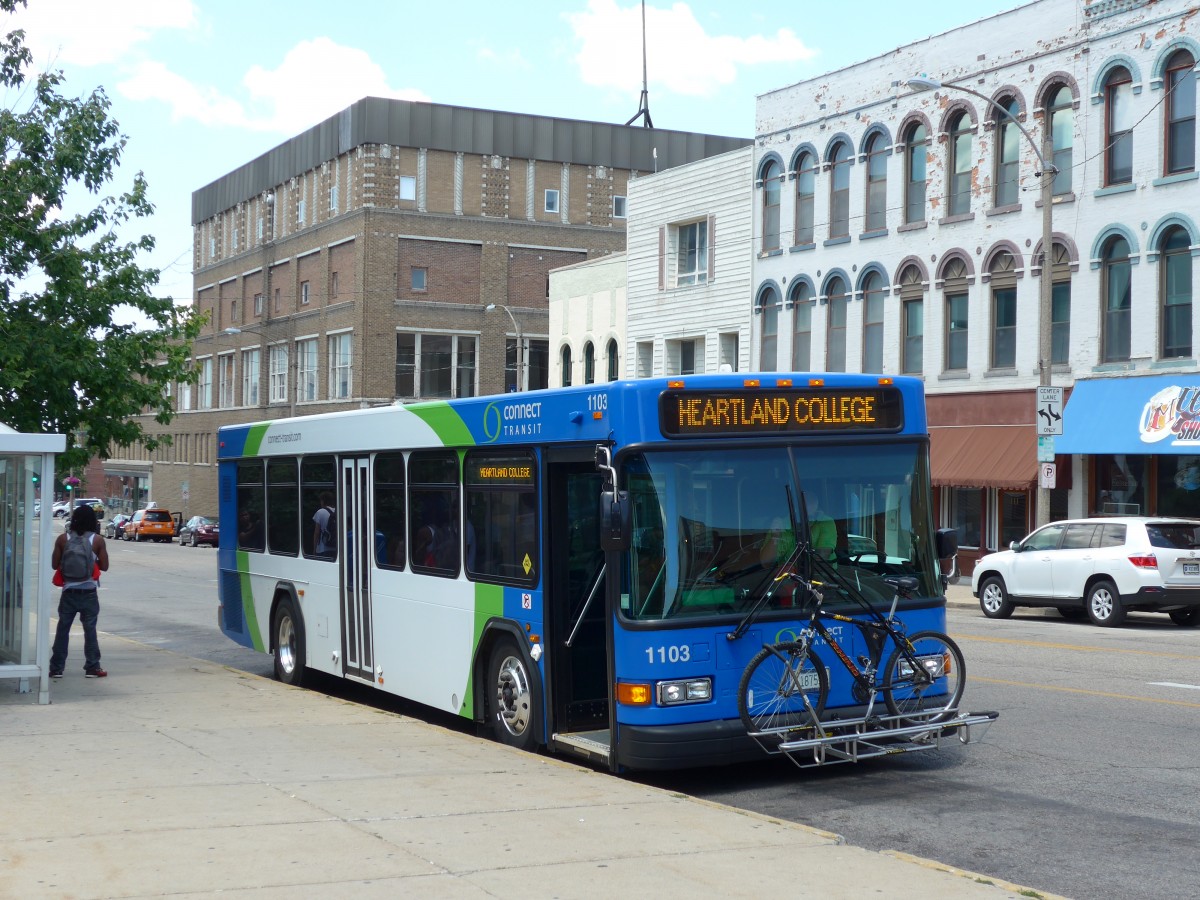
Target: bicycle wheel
x,y
928,678
783,687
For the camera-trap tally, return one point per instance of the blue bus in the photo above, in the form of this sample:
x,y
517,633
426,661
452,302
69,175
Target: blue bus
x,y
567,566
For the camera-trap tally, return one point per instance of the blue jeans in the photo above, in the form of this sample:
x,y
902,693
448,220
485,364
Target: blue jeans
x,y
85,603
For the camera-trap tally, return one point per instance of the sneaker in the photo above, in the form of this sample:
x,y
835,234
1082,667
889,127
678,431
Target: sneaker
x,y
56,674
95,673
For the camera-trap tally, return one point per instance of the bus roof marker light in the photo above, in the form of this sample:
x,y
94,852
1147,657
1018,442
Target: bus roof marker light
x,y
816,382
885,381
751,382
783,382
675,384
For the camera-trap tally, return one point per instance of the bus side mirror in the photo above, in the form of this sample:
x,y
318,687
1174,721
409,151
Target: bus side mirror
x,y
614,520
947,543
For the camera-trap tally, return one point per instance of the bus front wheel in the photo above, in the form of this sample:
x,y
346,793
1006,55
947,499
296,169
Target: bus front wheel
x,y
510,700
288,631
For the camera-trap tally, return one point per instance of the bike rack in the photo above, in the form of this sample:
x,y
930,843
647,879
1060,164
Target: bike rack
x,y
856,739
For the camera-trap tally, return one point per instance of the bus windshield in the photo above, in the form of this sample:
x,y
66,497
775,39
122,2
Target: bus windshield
x,y
712,530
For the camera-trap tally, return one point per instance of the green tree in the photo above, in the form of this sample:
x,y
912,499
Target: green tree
x,y
65,365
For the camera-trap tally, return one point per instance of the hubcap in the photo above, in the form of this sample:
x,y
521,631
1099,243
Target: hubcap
x,y
513,696
992,598
286,643
1102,604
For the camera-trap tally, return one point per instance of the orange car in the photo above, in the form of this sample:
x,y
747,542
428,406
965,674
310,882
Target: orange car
x,y
150,525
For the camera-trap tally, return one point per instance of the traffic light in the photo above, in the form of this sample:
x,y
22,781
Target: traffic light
x,y
35,477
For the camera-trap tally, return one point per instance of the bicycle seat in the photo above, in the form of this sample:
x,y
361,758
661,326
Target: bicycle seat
x,y
905,585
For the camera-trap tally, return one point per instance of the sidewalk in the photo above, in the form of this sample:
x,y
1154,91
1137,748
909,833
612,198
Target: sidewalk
x,y
178,776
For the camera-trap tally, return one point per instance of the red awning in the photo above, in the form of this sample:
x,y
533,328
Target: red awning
x,y
983,456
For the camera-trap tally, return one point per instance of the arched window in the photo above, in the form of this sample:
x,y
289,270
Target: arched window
x,y
877,155
959,165
806,188
769,344
802,304
912,337
1116,270
589,363
770,226
1175,293
957,314
835,342
839,190
1118,127
873,301
1180,83
566,366
1061,110
1008,154
1060,307
916,146
613,360
1004,311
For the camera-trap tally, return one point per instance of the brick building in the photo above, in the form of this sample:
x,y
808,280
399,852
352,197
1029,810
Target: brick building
x,y
353,265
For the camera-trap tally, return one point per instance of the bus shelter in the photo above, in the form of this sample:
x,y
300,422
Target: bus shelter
x,y
26,465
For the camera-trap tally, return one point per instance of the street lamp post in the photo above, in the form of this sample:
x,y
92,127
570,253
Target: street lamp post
x,y
520,349
1047,173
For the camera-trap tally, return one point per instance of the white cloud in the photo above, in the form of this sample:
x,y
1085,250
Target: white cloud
x,y
512,58
154,81
315,80
94,32
681,56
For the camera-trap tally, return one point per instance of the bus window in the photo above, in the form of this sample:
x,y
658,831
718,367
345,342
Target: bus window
x,y
389,509
250,506
433,512
501,500
318,490
282,507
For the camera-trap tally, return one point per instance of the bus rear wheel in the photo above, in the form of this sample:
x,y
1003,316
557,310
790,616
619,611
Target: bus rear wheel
x,y
511,704
288,632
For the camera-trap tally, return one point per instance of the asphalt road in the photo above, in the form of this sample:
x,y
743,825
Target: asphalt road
x,y
1087,786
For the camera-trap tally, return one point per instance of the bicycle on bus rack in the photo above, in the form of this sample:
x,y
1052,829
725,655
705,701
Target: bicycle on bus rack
x,y
784,689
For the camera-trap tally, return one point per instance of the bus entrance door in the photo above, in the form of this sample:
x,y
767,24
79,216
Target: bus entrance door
x,y
354,567
577,609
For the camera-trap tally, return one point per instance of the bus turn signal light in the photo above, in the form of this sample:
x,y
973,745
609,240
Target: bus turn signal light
x,y
633,694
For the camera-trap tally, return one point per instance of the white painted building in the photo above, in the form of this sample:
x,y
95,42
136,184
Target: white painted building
x,y
900,231
689,261
587,321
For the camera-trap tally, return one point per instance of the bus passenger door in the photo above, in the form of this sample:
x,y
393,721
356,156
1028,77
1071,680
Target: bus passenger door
x,y
354,568
577,615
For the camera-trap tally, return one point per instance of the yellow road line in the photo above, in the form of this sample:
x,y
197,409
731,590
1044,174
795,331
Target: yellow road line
x,y
1079,647
1070,690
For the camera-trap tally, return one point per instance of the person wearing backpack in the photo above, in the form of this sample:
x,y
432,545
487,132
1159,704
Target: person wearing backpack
x,y
80,554
324,525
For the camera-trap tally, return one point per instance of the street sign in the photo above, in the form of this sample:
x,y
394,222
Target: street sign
x,y
1049,410
1047,475
1046,449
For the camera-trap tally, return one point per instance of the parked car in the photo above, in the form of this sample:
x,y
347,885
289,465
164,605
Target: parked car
x,y
199,530
150,525
94,502
114,528
1101,567
60,509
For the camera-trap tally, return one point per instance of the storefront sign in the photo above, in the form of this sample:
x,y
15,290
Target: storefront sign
x,y
1172,414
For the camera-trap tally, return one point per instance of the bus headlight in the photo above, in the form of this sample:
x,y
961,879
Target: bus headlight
x,y
693,690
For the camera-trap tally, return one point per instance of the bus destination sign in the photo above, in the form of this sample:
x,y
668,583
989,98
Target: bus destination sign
x,y
781,411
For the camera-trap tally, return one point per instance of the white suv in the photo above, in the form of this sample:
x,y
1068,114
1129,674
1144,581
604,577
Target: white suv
x,y
1104,567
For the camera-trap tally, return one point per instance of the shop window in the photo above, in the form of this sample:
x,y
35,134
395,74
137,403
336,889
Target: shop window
x,y
1120,485
966,516
1178,484
1014,516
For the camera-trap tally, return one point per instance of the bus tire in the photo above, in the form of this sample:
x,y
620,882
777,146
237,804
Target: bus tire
x,y
511,696
287,630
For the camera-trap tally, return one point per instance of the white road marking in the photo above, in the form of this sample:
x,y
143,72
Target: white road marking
x,y
1190,687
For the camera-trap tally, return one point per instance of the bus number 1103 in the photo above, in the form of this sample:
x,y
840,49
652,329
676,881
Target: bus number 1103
x,y
674,654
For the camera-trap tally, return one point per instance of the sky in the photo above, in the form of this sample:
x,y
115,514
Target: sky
x,y
200,87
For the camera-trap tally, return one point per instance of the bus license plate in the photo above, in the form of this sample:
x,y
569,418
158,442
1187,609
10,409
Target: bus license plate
x,y
1191,568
